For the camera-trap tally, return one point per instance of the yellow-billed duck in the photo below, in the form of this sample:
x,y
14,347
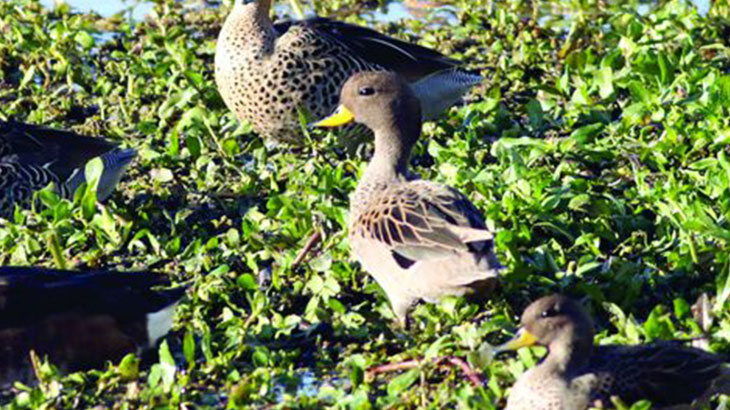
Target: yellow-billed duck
x,y
419,239
267,72
576,375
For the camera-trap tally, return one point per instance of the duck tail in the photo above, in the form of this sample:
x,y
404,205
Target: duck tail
x,y
115,162
443,89
159,323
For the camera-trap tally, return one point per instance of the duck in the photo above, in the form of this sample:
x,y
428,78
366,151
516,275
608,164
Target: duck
x,y
32,157
269,73
576,375
79,320
419,239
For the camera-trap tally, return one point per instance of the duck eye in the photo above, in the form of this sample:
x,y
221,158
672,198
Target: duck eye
x,y
549,312
365,91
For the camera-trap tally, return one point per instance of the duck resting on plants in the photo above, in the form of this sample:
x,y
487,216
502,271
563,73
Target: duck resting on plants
x,y
32,157
79,320
576,375
267,73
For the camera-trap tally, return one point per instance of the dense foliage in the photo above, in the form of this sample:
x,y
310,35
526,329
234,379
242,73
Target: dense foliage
x,y
597,149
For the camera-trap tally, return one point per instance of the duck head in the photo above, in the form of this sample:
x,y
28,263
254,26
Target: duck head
x,y
558,323
386,104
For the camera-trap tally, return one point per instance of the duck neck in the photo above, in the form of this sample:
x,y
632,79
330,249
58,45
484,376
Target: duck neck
x,y
389,163
262,10
249,28
570,351
393,146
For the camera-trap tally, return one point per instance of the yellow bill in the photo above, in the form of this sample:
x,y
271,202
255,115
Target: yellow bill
x,y
341,116
523,338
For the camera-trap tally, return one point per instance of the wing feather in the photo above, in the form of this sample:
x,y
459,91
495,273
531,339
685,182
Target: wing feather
x,y
410,60
421,220
665,373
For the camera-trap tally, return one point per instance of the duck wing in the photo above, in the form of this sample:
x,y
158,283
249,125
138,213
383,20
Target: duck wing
x,y
421,220
410,60
61,152
28,294
664,373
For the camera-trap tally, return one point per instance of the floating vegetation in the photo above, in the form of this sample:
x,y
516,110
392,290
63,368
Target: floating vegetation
x,y
596,150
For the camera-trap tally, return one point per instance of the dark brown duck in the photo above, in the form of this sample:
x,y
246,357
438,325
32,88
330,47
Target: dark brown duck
x,y
79,320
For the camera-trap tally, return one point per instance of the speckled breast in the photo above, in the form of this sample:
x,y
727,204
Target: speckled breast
x,y
303,72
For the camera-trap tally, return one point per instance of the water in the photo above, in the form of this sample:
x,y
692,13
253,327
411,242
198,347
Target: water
x,y
703,6
394,11
135,9
138,9
397,11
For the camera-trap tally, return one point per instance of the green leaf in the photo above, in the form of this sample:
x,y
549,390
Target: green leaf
x,y
587,133
247,282
28,77
162,175
357,373
579,202
587,267
681,308
206,346
603,78
641,405
129,367
534,111
434,349
189,348
665,69
321,263
402,382
260,356
92,173
167,366
85,40
639,92
193,145
658,325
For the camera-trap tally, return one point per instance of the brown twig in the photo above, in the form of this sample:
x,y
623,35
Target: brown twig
x,y
313,240
472,375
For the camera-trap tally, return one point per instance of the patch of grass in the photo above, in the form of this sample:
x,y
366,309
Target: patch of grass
x,y
597,150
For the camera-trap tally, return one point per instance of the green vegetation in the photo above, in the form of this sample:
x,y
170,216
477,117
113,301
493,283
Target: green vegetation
x,y
597,150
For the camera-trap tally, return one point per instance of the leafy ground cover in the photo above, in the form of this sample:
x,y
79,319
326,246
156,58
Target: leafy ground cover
x,y
596,148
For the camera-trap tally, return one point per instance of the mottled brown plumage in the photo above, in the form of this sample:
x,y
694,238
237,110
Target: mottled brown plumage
x,y
575,375
79,320
32,157
418,239
267,72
